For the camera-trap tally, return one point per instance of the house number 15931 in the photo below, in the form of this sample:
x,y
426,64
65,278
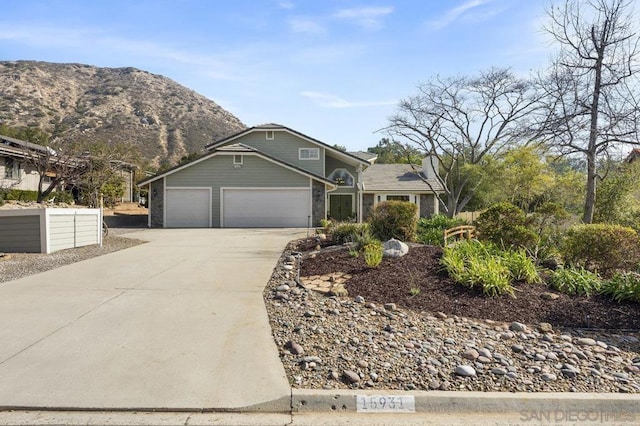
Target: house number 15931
x,y
385,404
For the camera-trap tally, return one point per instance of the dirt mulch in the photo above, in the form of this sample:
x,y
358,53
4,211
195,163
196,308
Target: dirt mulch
x,y
393,280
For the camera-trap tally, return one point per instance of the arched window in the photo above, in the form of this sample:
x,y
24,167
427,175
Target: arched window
x,y
342,177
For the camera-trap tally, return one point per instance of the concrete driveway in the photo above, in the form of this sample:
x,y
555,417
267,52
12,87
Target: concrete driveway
x,y
177,323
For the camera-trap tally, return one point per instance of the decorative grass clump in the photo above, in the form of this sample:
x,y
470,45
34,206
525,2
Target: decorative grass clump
x,y
623,286
575,281
476,264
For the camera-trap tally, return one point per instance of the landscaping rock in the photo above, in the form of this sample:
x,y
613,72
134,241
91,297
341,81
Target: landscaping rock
x,y
394,248
351,376
465,370
518,327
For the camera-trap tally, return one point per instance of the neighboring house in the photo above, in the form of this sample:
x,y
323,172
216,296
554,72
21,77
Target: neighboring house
x,y
270,176
16,172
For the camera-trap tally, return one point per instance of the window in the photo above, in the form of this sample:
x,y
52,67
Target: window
x,y
309,153
398,198
11,168
270,135
342,177
237,159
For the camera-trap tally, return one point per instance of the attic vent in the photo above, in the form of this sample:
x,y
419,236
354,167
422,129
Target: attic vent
x,y
269,134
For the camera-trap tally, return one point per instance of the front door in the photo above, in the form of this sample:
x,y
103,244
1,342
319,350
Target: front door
x,y
340,206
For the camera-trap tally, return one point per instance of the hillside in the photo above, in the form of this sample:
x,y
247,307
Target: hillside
x,y
163,119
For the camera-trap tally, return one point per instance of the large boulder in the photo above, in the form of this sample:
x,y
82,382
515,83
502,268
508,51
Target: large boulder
x,y
394,248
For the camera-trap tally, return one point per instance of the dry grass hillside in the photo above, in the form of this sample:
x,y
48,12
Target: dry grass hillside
x,y
163,119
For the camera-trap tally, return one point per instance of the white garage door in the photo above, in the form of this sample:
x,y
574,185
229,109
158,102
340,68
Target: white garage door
x,y
266,208
188,208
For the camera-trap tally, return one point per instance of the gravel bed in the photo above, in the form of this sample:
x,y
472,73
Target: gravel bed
x,y
348,342
19,265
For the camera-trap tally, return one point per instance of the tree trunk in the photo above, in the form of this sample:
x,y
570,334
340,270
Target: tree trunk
x,y
590,198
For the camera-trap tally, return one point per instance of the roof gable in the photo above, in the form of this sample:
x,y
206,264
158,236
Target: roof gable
x,y
237,149
345,156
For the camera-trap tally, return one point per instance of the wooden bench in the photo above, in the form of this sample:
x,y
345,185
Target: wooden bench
x,y
466,232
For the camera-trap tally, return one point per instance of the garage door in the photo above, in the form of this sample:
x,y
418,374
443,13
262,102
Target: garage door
x,y
266,208
188,208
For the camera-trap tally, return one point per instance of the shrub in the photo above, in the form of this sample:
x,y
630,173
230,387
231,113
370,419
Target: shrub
x,y
21,195
473,263
575,281
373,254
431,231
394,219
521,267
506,226
601,248
63,197
623,286
348,232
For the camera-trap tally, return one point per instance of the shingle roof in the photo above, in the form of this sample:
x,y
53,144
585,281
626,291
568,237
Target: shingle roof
x,y
363,155
396,177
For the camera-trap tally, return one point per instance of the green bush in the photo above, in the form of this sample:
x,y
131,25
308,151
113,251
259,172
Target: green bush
x,y
431,231
373,254
601,248
394,219
63,197
21,195
575,281
473,263
623,286
521,267
349,232
506,226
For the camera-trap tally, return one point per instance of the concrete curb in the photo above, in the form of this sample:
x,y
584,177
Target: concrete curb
x,y
319,401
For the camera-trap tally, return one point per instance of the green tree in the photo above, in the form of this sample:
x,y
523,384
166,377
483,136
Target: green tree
x,y
391,152
591,90
618,199
462,121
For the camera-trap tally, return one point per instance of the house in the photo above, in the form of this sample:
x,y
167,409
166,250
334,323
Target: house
x,y
17,170
273,176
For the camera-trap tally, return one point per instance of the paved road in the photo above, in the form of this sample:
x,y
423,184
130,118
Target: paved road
x,y
177,323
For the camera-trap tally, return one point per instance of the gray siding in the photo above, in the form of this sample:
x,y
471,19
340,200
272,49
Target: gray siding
x,y
20,234
333,164
219,171
284,146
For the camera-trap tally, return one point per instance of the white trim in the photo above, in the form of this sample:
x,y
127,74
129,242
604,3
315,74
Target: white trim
x,y
210,190
309,150
383,197
149,205
273,135
353,178
349,157
257,154
238,163
265,188
164,202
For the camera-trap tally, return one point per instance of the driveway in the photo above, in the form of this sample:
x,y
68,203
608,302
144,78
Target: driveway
x,y
177,323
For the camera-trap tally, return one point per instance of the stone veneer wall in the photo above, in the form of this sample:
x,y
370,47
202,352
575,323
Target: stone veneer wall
x,y
156,206
427,205
367,206
318,203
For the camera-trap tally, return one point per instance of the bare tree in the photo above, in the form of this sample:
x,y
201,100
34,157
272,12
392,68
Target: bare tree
x,y
591,89
462,121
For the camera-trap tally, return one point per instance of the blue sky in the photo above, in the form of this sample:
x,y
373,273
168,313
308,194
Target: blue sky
x,y
333,69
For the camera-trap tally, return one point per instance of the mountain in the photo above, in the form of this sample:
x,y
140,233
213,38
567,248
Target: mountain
x,y
163,119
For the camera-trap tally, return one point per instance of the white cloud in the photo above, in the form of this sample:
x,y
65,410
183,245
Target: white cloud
x,y
328,100
455,13
369,18
286,5
306,26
